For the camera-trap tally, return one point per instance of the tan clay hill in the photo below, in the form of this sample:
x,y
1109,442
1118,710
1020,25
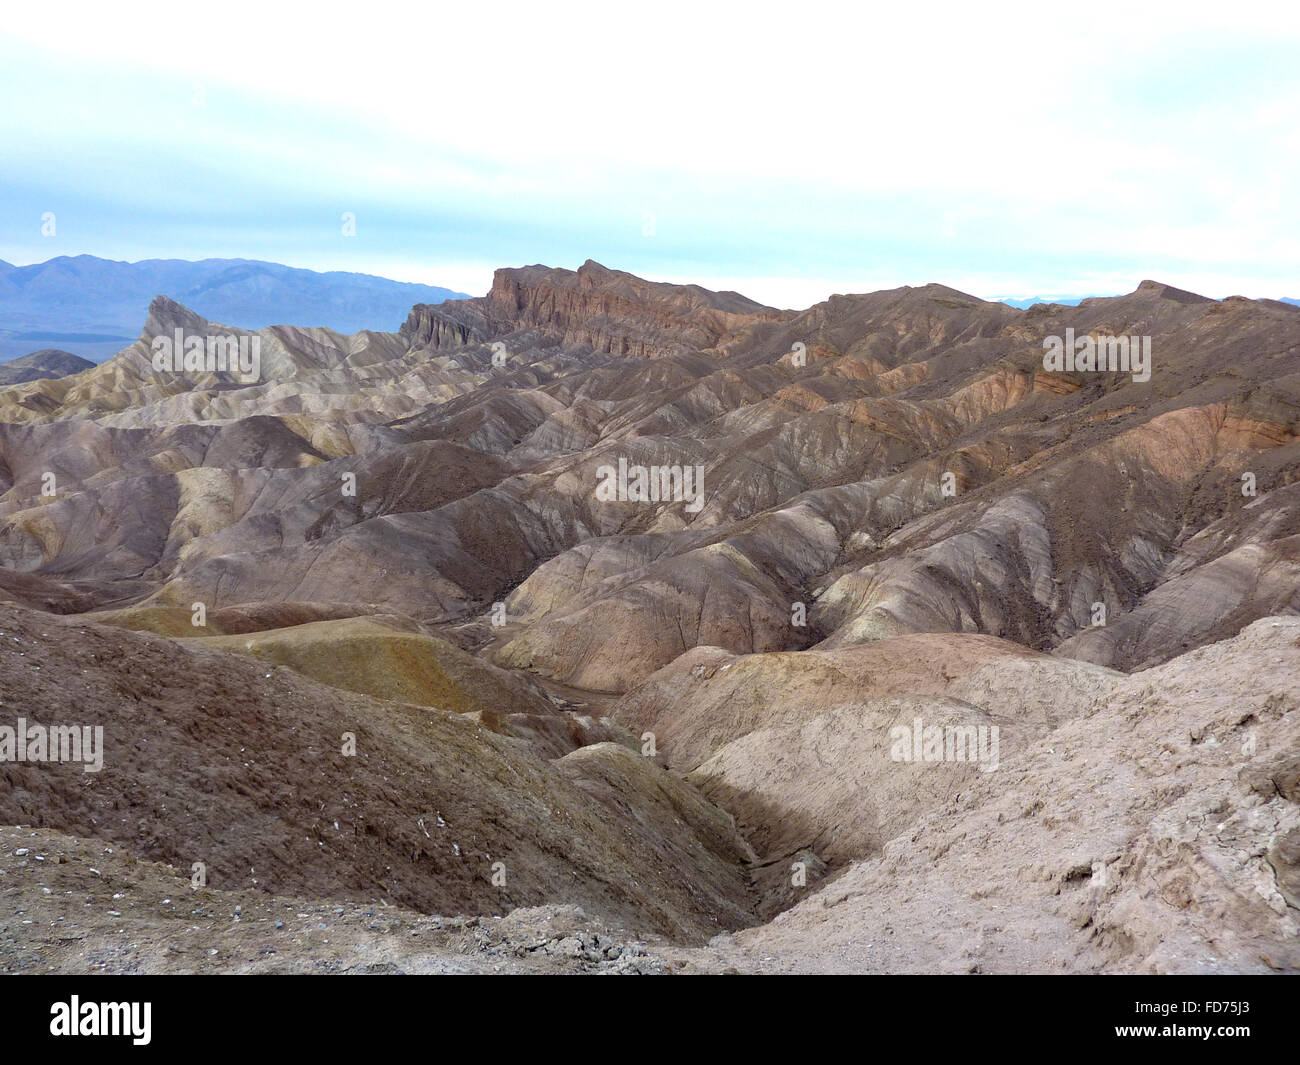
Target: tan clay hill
x,y
902,517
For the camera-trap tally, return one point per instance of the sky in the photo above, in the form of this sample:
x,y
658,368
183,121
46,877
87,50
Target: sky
x,y
786,151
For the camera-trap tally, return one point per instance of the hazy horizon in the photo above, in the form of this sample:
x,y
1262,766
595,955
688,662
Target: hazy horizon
x,y
787,162
1010,298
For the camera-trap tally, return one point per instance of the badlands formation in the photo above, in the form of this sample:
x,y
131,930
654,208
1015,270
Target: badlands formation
x,y
918,655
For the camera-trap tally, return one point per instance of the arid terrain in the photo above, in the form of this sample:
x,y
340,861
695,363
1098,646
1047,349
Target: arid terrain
x,y
915,655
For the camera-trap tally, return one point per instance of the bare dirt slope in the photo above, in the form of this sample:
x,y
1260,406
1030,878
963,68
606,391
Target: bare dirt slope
x,y
1159,831
217,758
85,906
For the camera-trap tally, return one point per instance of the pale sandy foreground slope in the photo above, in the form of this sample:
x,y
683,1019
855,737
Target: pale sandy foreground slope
x,y
1157,831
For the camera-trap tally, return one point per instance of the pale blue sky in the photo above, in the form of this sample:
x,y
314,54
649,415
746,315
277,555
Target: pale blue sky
x,y
789,151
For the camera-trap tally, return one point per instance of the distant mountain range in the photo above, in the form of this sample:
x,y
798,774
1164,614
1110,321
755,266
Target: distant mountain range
x,y
1031,300
94,307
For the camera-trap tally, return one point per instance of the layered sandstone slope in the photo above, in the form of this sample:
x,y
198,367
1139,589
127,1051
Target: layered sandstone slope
x,y
982,495
1242,567
223,760
1157,831
878,465
328,375
595,307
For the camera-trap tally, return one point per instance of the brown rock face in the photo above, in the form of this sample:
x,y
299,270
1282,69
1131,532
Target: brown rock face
x,y
609,311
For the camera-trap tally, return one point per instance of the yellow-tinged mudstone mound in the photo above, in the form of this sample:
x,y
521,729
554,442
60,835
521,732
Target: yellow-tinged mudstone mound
x,y
362,655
